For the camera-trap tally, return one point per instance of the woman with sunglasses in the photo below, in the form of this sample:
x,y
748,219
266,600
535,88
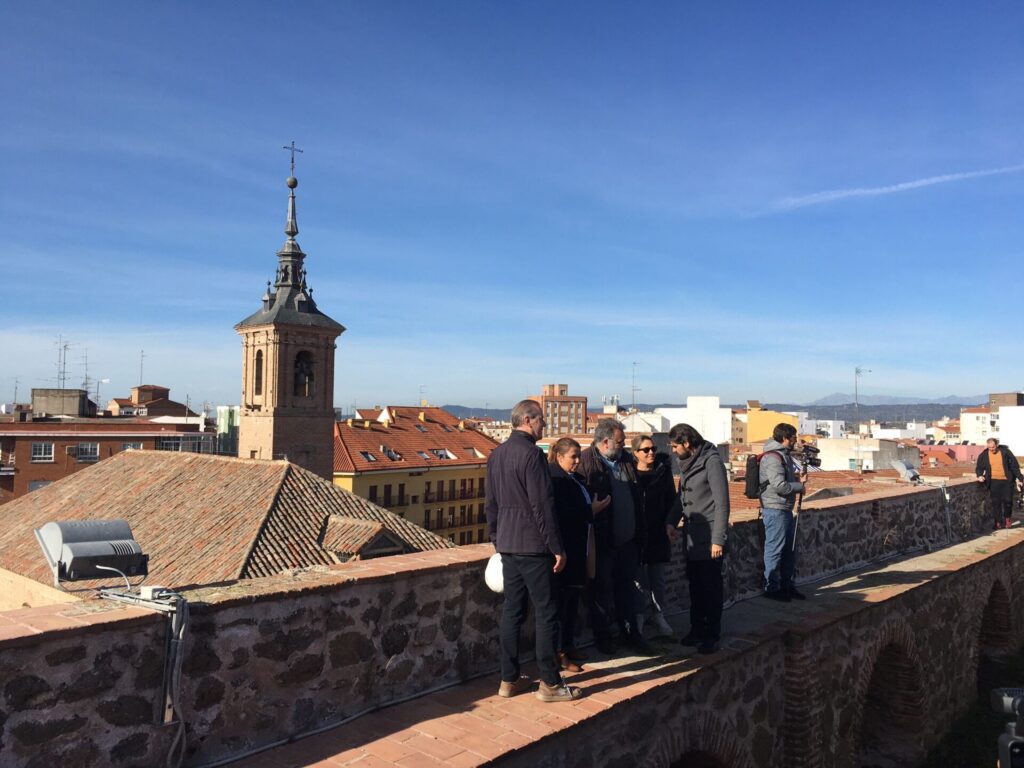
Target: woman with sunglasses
x,y
658,499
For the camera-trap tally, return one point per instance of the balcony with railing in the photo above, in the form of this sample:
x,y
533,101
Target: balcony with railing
x,y
6,463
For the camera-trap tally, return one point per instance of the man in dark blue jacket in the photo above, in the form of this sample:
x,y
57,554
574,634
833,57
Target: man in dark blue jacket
x,y
524,530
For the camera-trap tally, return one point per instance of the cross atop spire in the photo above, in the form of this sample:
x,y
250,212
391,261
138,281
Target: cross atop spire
x,y
293,149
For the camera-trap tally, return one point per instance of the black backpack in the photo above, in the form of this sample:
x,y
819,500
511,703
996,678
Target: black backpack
x,y
754,487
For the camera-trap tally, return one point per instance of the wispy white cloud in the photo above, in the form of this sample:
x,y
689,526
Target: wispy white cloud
x,y
832,195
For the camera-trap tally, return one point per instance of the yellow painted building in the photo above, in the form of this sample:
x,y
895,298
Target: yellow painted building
x,y
421,463
761,422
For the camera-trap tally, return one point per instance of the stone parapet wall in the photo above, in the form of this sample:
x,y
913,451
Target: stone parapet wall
x,y
81,686
269,659
847,532
873,679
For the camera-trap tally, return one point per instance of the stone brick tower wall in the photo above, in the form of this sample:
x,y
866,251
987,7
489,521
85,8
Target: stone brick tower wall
x,y
288,368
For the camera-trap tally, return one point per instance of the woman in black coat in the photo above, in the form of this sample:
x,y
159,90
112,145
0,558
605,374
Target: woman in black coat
x,y
659,500
574,511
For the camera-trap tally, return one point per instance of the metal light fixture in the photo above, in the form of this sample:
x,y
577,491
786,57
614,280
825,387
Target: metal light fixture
x,y
91,549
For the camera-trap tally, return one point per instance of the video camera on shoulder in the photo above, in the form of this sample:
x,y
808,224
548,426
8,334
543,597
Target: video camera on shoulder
x,y
1010,701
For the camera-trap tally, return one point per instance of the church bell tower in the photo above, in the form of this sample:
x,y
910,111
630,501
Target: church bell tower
x,y
288,365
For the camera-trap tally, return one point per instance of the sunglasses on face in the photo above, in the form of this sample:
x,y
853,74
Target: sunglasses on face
x,y
645,450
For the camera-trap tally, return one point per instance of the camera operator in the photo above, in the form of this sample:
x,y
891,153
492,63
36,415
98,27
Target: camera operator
x,y
998,469
781,487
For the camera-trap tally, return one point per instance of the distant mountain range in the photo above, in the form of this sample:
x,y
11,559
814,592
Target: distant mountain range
x,y
842,399
883,408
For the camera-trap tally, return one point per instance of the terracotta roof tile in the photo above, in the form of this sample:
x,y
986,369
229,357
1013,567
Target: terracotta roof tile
x,y
202,519
408,442
346,535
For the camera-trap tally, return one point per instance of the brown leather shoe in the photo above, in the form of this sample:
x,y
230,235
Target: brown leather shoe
x,y
559,692
509,689
575,654
568,664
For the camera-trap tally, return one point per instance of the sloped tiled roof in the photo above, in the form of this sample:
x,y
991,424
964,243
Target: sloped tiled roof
x,y
201,519
405,437
345,535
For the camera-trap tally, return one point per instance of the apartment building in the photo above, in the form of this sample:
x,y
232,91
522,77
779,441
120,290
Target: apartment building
x,y
34,454
564,414
423,464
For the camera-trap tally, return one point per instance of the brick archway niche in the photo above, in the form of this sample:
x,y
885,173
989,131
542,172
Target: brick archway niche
x,y
699,741
995,635
894,712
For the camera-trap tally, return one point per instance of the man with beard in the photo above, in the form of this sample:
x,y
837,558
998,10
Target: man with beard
x,y
619,531
704,494
781,486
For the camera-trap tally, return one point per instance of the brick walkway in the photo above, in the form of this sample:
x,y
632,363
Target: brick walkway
x,y
469,725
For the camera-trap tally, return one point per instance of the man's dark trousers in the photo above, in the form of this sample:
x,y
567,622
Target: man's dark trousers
x,y
705,577
615,582
529,578
1001,492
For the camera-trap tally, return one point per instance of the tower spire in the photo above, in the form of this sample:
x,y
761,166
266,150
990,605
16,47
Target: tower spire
x,y
291,227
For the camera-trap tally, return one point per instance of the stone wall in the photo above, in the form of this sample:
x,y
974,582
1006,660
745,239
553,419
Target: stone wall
x,y
834,535
270,659
875,679
81,686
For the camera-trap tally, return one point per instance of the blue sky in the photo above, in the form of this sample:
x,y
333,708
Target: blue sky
x,y
746,199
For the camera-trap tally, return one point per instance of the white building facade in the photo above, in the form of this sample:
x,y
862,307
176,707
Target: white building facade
x,y
979,424
867,454
703,413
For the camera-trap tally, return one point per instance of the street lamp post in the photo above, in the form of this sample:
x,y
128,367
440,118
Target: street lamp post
x,y
98,382
857,373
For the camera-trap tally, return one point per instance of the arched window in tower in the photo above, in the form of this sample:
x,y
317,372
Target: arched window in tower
x,y
257,379
304,374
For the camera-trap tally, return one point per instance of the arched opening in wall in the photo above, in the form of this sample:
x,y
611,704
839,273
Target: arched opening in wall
x,y
996,626
893,721
698,759
257,378
304,375
995,640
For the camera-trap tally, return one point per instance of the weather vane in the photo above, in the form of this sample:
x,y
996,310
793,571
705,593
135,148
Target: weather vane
x,y
293,149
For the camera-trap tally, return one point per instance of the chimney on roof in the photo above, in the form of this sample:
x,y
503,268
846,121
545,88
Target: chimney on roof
x,y
462,426
366,424
423,416
349,422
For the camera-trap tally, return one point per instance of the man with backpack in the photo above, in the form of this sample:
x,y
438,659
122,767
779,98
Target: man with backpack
x,y
780,486
998,470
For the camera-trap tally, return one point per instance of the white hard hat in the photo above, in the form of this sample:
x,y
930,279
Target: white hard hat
x,y
493,576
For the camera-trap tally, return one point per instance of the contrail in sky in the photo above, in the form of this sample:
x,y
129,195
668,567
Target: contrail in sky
x,y
817,198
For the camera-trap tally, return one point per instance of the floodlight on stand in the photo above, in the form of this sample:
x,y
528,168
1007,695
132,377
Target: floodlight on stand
x,y
91,549
907,472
